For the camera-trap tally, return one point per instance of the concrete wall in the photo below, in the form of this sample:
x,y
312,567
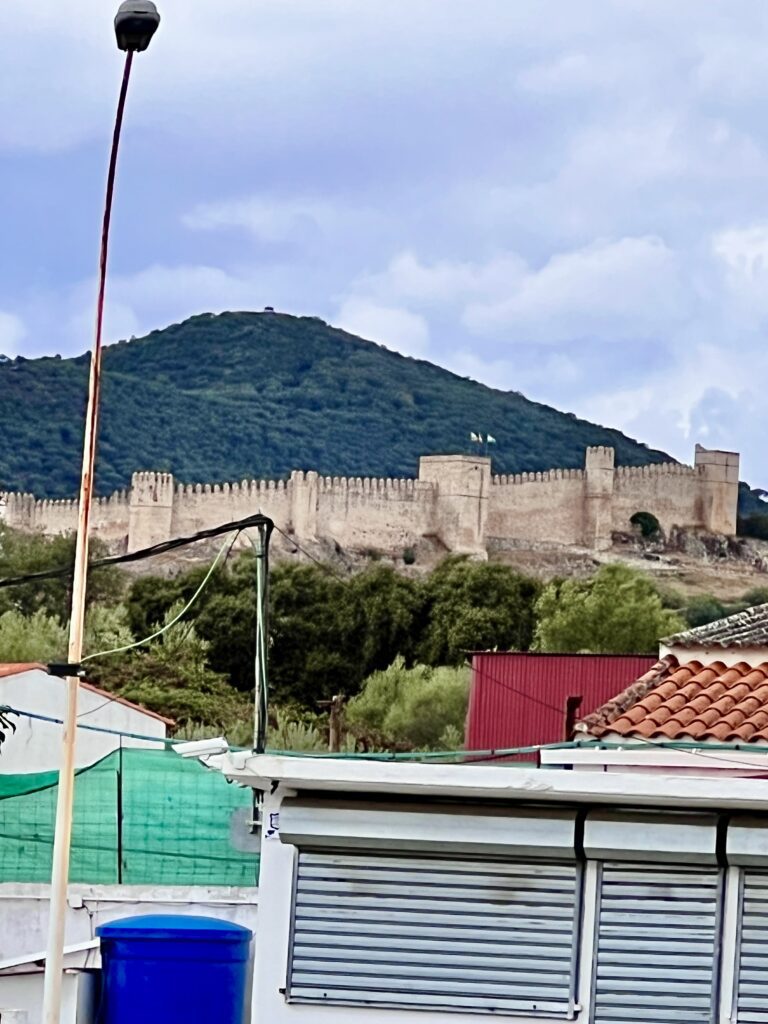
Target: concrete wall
x,y
455,499
24,910
24,931
35,746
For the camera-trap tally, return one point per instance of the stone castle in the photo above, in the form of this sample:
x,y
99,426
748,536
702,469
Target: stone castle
x,y
455,501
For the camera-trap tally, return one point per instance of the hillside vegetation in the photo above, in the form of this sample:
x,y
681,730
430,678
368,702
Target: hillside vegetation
x,y
259,394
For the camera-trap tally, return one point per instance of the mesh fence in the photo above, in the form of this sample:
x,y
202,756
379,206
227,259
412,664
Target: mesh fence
x,y
140,817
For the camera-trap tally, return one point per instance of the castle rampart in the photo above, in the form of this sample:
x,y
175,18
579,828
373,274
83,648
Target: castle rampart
x,y
455,499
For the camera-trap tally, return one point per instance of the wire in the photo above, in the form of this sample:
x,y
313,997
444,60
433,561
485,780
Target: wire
x,y
155,549
323,565
175,619
513,689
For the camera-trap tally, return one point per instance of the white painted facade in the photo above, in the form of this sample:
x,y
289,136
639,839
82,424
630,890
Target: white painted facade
x,y
35,746
668,822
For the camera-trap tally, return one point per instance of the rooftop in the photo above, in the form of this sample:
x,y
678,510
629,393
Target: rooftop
x,y
330,775
744,629
691,701
8,669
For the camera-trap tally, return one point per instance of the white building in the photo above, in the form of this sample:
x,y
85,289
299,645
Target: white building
x,y
35,744
402,893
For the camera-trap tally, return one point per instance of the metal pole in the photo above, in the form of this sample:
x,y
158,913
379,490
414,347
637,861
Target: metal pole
x,y
63,830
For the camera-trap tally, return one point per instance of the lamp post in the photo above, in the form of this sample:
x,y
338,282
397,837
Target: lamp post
x,y
135,24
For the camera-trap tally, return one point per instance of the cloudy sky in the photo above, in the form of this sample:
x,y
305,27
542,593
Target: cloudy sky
x,y
568,198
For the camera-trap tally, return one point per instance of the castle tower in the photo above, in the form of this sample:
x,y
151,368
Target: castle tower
x,y
150,509
600,469
304,504
718,489
463,485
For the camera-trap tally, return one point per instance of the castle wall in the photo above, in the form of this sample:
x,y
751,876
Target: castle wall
x,y
538,507
376,514
455,499
199,506
669,491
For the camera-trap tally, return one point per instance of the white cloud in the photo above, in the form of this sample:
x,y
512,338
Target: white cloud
x,y
445,281
271,220
393,327
12,333
611,291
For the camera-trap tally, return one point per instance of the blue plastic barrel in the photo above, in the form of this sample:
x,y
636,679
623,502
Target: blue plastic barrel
x,y
173,970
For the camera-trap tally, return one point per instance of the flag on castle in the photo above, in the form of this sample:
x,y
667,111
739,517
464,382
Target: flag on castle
x,y
475,437
489,439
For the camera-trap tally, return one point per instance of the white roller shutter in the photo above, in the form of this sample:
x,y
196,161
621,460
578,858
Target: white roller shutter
x,y
428,932
752,970
657,950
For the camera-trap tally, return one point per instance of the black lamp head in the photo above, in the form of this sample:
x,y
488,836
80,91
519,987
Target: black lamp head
x,y
135,24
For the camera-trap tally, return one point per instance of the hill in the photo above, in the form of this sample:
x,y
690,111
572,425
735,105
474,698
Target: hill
x,y
259,394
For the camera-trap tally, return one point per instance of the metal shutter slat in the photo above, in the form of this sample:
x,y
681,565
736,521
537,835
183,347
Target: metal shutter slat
x,y
424,932
656,945
752,968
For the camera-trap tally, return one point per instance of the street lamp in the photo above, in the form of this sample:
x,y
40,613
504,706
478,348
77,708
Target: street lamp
x,y
135,24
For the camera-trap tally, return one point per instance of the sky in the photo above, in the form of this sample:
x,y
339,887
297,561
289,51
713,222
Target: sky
x,y
567,199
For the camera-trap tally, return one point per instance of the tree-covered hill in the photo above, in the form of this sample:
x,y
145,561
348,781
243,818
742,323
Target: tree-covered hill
x,y
259,394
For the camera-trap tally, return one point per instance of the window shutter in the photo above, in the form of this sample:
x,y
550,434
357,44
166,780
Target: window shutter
x,y
431,932
752,978
656,945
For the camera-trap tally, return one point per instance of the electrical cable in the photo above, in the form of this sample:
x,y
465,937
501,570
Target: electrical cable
x,y
323,565
174,620
167,626
148,552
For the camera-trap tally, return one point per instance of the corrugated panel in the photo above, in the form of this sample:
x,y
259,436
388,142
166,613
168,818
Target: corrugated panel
x,y
519,700
752,976
481,935
657,951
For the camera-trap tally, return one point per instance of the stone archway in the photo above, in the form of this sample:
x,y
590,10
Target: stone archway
x,y
646,525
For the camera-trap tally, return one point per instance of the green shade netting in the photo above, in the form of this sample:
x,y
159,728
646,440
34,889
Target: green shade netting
x,y
141,817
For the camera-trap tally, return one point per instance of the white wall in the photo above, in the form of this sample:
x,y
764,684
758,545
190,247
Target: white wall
x,y
24,993
24,931
35,746
24,910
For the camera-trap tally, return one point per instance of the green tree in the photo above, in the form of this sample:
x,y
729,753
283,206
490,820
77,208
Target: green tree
x,y
22,554
617,611
702,609
37,637
171,676
384,613
475,606
416,708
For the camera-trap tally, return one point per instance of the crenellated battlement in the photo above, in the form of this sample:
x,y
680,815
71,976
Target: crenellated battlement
x,y
656,469
454,498
545,477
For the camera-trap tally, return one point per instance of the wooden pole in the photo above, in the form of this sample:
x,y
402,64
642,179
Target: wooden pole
x,y
334,724
62,839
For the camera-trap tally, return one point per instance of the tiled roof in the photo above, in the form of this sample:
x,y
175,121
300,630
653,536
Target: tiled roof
x,y
744,629
693,701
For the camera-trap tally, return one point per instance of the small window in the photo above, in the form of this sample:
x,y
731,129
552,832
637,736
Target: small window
x,y
430,933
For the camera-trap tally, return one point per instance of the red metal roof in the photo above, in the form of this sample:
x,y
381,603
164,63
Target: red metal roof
x,y
520,700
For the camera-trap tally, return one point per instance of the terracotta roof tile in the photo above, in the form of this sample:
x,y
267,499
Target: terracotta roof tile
x,y
692,701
